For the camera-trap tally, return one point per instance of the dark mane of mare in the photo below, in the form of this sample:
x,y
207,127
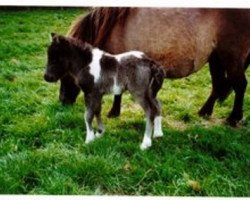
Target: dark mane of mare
x,y
95,27
218,36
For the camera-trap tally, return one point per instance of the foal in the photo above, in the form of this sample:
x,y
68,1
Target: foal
x,y
97,73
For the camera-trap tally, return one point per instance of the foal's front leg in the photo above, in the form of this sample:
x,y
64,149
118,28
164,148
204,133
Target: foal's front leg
x,y
100,128
93,108
88,116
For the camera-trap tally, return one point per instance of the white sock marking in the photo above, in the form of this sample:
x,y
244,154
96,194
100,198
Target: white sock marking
x,y
157,127
147,142
90,136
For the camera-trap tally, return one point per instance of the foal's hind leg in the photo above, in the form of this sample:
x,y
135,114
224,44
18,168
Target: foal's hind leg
x,y
221,87
157,120
152,111
145,104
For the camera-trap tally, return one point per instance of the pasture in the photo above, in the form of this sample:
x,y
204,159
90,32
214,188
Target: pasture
x,y
42,148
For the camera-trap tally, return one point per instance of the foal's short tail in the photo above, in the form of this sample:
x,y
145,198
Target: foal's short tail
x,y
157,78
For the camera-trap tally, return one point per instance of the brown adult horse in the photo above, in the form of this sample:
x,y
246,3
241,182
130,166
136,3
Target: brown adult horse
x,y
182,40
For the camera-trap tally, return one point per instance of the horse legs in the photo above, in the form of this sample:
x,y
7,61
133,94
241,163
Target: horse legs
x,y
93,108
100,128
88,116
116,107
238,81
152,116
220,85
157,120
68,90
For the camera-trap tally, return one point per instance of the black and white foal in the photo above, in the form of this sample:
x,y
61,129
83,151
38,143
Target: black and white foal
x,y
97,73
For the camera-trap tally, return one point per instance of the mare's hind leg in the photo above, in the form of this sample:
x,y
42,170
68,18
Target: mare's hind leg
x,y
68,90
116,107
220,85
237,78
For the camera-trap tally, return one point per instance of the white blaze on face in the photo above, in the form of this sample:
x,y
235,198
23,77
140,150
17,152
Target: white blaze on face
x,y
95,66
137,54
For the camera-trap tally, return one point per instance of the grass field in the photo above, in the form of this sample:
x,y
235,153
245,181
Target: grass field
x,y
42,148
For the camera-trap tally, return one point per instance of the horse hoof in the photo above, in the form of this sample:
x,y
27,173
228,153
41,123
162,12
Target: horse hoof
x,y
145,144
67,102
231,122
158,134
99,134
90,139
204,113
113,114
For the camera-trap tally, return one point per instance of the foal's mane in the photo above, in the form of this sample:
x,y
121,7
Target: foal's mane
x,y
96,26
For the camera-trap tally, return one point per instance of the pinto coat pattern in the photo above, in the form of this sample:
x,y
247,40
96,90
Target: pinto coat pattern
x,y
98,73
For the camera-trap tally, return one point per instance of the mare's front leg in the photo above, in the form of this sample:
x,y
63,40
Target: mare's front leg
x,y
116,107
68,90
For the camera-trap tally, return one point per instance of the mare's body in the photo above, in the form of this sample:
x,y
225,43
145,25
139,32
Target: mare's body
x,y
182,40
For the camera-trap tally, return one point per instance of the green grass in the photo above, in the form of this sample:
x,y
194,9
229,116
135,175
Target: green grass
x,y
42,148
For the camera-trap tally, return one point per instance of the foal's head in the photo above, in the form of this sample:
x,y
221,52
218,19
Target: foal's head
x,y
63,55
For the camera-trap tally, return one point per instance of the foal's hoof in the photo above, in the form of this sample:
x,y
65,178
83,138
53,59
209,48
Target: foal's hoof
x,y
145,144
99,134
158,134
113,113
90,139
